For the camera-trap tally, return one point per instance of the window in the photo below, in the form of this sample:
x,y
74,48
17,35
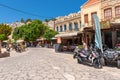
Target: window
x,y
75,26
70,26
117,11
86,18
107,14
65,27
60,28
57,28
92,20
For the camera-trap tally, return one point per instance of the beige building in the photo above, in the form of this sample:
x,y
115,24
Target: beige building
x,y
50,24
108,12
87,10
69,28
111,18
78,26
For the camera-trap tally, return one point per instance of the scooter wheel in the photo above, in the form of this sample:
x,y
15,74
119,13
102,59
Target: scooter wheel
x,y
74,55
97,64
102,61
79,61
118,63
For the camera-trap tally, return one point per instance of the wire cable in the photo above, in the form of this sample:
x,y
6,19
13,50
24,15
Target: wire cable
x,y
24,12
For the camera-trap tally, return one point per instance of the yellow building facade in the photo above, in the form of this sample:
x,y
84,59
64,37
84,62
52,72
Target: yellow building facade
x,y
87,10
108,12
69,27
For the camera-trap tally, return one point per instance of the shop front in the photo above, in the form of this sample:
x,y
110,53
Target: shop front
x,y
108,34
69,40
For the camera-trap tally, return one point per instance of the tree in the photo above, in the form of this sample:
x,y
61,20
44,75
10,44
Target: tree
x,y
30,32
22,20
5,31
33,31
17,33
49,34
28,20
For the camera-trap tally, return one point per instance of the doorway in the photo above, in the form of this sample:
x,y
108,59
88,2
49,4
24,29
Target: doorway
x,y
108,38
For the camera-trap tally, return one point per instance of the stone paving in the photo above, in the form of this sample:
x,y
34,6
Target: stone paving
x,y
45,64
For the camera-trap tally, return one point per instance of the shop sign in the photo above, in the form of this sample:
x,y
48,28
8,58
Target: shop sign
x,y
104,25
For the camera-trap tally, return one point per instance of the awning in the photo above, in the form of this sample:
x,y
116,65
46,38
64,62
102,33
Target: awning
x,y
66,34
5,41
41,39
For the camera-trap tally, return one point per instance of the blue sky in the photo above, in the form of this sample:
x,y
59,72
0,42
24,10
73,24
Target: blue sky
x,y
44,8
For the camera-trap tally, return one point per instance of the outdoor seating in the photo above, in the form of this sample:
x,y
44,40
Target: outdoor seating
x,y
65,48
71,48
68,48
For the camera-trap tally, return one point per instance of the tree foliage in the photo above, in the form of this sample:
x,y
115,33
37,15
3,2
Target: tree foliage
x,y
28,20
49,34
22,20
5,31
2,36
33,31
29,32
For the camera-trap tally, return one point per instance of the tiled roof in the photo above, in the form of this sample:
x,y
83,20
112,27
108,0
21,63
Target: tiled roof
x,y
90,2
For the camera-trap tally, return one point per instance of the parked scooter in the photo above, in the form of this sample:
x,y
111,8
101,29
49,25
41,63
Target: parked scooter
x,y
18,48
91,57
112,55
76,52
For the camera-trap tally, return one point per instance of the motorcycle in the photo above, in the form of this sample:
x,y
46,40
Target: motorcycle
x,y
112,55
92,57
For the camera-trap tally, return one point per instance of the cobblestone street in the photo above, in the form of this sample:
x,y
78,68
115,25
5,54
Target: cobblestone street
x,y
45,64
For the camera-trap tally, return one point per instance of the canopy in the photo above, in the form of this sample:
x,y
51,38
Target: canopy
x,y
67,34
